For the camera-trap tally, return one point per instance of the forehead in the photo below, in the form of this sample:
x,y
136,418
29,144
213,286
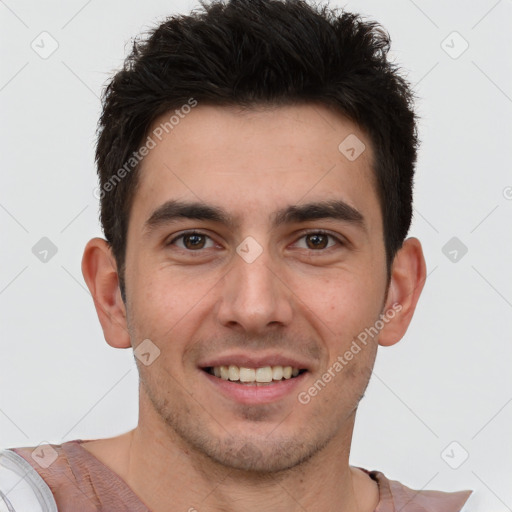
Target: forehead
x,y
249,161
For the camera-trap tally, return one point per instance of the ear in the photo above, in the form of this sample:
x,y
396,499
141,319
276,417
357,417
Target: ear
x,y
100,273
408,274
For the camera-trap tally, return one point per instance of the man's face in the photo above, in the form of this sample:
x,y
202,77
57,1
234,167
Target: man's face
x,y
257,279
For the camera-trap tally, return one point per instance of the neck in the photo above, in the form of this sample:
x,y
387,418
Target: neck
x,y
161,469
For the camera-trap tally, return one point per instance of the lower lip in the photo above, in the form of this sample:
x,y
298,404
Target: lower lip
x,y
253,394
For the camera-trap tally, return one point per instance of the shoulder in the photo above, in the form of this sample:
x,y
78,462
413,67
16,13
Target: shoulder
x,y
21,486
59,469
50,461
77,480
396,496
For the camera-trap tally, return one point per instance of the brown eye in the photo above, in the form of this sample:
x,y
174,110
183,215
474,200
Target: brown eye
x,y
317,241
192,241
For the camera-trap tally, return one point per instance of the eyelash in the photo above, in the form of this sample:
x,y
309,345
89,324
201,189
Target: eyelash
x,y
304,234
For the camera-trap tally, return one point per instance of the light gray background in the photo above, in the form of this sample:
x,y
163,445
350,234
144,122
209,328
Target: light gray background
x,y
448,380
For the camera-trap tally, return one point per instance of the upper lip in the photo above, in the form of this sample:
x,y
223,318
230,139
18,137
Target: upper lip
x,y
254,361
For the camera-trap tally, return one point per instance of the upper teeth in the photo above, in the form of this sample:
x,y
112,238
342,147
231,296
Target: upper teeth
x,y
264,374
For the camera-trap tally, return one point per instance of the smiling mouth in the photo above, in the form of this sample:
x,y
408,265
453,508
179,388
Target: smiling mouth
x,y
254,376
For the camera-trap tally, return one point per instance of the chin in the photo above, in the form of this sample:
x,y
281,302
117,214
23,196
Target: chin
x,y
258,455
253,445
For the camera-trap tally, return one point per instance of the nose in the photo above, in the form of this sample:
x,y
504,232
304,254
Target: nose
x,y
254,296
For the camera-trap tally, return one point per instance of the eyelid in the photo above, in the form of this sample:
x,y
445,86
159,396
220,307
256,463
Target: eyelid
x,y
181,234
312,231
309,231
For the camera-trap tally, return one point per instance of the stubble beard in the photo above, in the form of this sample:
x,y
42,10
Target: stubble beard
x,y
266,453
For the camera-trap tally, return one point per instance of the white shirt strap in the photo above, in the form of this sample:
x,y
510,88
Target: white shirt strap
x,y
22,488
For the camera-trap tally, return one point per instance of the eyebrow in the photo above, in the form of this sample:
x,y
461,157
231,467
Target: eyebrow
x,y
174,210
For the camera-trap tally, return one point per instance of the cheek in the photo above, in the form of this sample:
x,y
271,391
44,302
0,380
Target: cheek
x,y
165,301
343,305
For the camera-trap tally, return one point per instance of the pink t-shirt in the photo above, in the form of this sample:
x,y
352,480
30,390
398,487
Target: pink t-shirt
x,y
81,483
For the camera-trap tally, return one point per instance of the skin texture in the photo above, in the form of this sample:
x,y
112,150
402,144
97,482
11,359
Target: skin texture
x,y
194,446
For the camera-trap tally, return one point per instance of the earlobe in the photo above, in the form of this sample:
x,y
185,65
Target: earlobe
x,y
100,274
408,276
